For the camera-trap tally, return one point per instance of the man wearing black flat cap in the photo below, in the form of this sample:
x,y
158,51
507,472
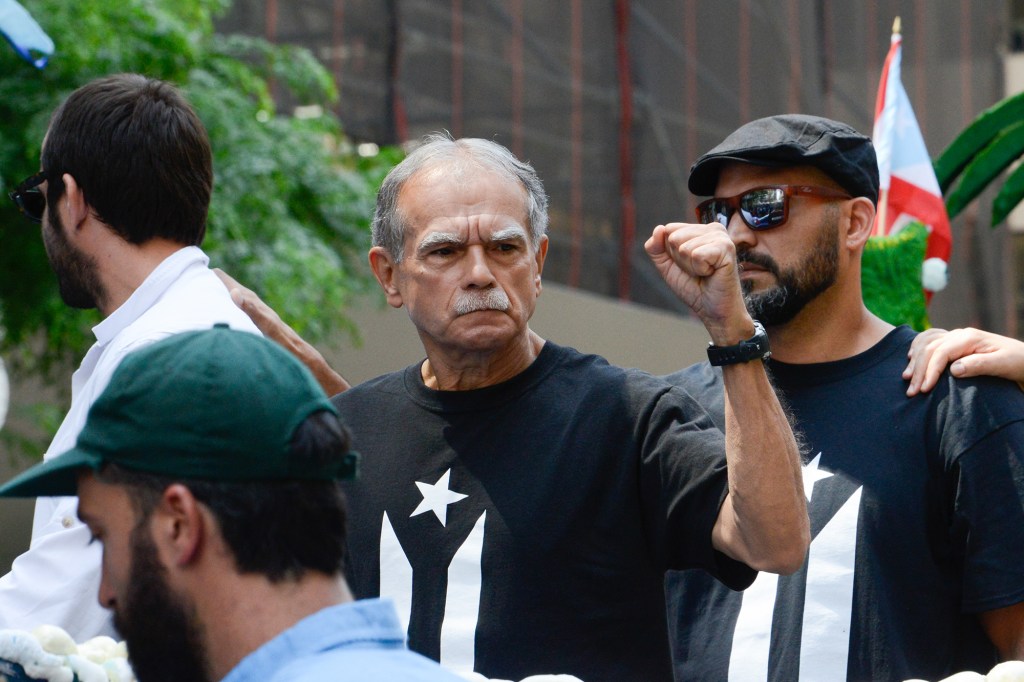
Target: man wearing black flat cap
x,y
916,566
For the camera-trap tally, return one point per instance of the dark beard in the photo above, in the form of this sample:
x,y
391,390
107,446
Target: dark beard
x,y
164,641
796,286
76,272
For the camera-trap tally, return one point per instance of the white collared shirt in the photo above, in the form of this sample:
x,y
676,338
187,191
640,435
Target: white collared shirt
x,y
56,581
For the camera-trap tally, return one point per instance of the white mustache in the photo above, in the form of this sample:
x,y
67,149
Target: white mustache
x,y
471,301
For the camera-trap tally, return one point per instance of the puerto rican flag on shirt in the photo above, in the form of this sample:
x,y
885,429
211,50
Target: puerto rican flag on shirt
x,y
909,189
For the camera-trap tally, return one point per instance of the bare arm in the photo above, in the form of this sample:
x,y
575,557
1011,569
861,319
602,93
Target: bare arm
x,y
763,521
274,328
973,353
1005,627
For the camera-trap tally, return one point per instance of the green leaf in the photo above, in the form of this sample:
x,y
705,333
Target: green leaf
x,y
1010,194
978,135
986,165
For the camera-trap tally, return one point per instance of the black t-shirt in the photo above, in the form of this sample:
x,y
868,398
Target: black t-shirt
x,y
917,522
527,526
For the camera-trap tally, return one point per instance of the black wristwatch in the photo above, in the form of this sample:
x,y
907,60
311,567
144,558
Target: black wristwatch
x,y
754,348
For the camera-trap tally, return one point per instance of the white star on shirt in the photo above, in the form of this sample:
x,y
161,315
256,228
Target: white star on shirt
x,y
812,474
437,497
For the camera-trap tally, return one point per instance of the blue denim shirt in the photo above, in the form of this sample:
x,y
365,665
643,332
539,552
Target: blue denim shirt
x,y
358,641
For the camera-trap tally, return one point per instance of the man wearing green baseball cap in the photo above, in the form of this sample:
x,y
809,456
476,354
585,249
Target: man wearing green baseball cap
x,y
209,468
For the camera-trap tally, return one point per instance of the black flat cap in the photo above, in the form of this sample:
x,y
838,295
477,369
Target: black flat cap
x,y
841,152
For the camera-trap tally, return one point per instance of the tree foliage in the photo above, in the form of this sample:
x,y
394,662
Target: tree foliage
x,y
292,200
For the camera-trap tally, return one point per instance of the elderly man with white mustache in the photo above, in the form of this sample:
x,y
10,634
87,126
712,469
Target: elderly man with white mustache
x,y
521,501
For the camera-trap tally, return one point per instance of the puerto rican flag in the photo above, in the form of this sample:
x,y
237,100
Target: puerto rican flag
x,y
909,190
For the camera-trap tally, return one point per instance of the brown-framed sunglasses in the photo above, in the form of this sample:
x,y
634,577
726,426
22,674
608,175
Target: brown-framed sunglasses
x,y
761,208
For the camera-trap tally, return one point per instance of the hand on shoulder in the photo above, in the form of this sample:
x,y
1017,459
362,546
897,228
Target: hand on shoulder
x,y
274,328
972,352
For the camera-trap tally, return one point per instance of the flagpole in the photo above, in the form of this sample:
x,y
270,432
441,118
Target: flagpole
x,y
883,195
883,199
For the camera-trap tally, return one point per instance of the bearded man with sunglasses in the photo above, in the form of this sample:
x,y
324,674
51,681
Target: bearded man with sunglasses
x,y
916,565
122,200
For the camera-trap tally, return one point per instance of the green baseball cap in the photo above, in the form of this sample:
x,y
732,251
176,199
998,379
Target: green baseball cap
x,y
217,404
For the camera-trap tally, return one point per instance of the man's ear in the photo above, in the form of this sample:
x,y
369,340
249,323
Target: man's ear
x,y
541,255
386,272
73,203
861,223
178,526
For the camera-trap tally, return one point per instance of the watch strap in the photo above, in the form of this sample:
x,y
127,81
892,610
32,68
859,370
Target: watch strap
x,y
754,348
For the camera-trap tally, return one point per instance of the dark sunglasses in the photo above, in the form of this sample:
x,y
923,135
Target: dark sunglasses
x,y
761,208
29,199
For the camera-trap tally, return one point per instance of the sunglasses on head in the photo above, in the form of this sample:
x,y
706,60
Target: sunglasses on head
x,y
761,208
29,199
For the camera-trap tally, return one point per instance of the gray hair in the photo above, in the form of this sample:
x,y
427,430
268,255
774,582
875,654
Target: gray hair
x,y
441,149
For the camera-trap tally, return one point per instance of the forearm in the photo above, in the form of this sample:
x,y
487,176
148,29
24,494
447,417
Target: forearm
x,y
274,328
332,382
763,521
1005,627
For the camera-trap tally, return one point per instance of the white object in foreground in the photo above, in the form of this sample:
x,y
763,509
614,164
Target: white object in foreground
x,y
1007,671
49,654
477,677
22,648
